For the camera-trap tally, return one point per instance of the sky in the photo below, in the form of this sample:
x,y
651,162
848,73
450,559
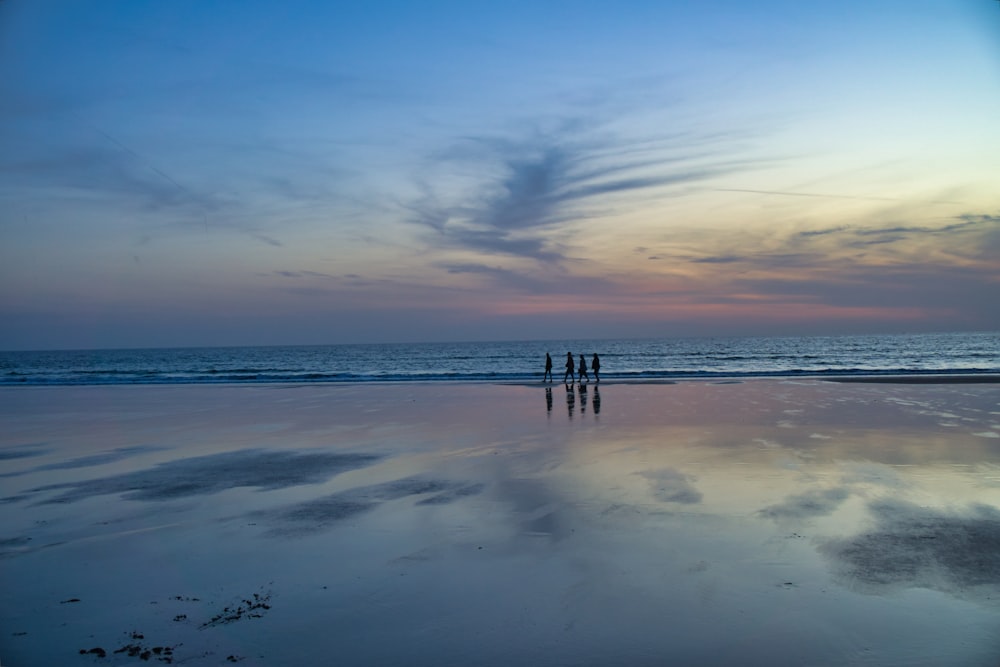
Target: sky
x,y
243,172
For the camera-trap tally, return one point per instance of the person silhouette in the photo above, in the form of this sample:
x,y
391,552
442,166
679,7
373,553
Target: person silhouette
x,y
583,369
548,368
595,365
569,368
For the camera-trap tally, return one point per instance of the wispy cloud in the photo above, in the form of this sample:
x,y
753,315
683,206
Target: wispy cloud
x,y
966,223
540,185
101,171
826,195
725,259
809,233
861,245
804,194
501,276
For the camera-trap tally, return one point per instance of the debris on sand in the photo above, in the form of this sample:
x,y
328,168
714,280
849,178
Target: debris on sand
x,y
246,608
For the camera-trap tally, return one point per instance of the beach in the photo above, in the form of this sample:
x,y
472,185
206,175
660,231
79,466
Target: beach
x,y
757,522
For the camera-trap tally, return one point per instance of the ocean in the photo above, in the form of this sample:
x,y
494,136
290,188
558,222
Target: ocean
x,y
621,360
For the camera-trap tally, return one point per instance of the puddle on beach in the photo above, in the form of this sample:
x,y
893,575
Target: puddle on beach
x,y
763,522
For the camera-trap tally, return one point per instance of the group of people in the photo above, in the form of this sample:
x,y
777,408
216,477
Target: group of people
x,y
571,368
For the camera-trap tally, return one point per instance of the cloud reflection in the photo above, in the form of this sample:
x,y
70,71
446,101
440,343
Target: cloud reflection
x,y
673,486
313,515
203,475
812,503
919,547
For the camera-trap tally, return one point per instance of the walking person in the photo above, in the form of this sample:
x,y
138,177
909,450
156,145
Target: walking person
x,y
583,369
569,369
595,365
548,368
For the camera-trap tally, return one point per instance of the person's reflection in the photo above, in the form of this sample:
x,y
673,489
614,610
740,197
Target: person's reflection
x,y
583,399
548,400
570,400
597,401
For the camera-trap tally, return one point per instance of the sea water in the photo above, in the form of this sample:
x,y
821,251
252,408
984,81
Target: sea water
x,y
521,361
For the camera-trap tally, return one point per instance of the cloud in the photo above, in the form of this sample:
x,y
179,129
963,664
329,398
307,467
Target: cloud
x,y
907,232
727,259
980,219
491,241
762,260
174,184
504,277
103,172
823,232
316,274
785,193
858,235
266,239
943,273
933,290
533,187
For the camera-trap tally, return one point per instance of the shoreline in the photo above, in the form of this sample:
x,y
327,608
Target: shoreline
x,y
931,378
958,378
986,378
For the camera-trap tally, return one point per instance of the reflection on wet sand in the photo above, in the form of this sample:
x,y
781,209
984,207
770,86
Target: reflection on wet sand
x,y
770,522
571,399
212,474
955,550
318,513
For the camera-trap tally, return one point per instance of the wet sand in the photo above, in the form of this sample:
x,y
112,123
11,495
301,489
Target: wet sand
x,y
763,522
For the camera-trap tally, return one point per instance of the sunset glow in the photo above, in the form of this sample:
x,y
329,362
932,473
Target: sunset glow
x,y
308,172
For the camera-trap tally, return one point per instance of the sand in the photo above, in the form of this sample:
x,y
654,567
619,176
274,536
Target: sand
x,y
768,522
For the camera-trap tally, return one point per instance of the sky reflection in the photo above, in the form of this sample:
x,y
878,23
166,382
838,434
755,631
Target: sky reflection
x,y
763,522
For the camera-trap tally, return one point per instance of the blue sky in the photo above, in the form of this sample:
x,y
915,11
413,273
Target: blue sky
x,y
191,173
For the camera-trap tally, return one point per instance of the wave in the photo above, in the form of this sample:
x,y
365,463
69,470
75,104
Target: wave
x,y
219,378
513,362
